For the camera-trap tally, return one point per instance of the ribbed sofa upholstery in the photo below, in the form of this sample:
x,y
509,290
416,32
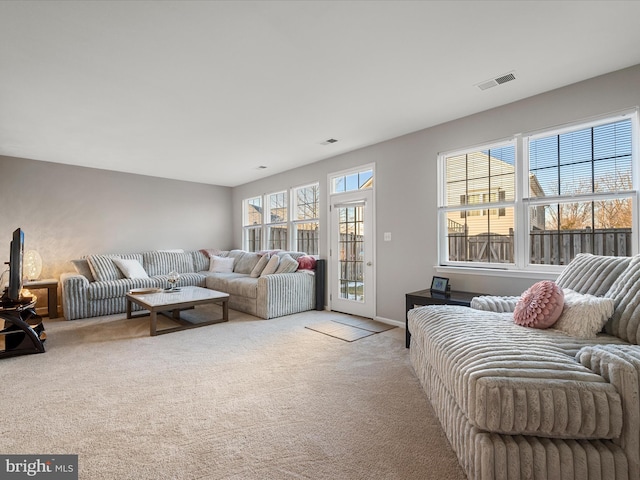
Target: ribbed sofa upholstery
x,y
103,292
524,403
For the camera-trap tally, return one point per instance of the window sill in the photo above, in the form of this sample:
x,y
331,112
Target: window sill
x,y
497,272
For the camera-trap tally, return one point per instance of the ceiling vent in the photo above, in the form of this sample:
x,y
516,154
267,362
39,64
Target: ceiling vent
x,y
494,82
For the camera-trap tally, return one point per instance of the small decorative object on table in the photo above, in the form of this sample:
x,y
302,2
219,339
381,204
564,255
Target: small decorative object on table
x,y
440,285
173,278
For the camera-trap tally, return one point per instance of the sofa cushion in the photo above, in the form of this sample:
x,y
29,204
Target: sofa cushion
x,y
246,262
242,286
236,255
118,288
592,274
209,252
193,279
82,267
513,380
200,261
161,263
103,268
625,321
294,255
219,281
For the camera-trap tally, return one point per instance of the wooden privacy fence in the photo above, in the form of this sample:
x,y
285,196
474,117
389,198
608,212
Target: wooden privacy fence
x,y
308,240
547,247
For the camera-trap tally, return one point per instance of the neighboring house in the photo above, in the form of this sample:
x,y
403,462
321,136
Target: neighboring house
x,y
495,188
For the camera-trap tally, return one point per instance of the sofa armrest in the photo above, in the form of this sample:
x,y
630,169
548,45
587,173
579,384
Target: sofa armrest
x,y
620,366
285,293
75,303
493,303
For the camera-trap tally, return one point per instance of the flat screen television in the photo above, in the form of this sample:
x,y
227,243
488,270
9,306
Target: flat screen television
x,y
15,266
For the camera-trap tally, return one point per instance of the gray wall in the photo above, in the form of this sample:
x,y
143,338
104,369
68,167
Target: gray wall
x,y
67,212
406,182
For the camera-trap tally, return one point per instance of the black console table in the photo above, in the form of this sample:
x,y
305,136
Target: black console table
x,y
21,329
426,297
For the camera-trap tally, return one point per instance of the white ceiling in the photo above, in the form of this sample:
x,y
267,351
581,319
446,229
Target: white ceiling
x,y
208,91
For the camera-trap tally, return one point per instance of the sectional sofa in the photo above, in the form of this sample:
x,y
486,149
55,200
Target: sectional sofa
x,y
529,403
100,282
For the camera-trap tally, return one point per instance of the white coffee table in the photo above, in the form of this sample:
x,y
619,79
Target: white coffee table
x,y
183,299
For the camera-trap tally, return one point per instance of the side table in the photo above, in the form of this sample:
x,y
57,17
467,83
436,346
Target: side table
x,y
426,297
51,284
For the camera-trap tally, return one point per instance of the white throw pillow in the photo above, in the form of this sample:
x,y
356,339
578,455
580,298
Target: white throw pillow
x,y
272,266
583,316
130,268
221,264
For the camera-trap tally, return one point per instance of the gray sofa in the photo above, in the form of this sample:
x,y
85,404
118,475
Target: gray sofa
x,y
98,286
518,402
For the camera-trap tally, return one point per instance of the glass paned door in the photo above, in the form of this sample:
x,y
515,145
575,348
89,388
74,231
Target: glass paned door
x,y
351,252
351,256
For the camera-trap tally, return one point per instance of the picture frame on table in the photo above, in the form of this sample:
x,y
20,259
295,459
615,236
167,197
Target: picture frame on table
x,y
440,285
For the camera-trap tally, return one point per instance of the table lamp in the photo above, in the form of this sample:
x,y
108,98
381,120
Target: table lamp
x,y
32,267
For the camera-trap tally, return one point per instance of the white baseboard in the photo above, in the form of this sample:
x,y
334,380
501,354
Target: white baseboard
x,y
389,321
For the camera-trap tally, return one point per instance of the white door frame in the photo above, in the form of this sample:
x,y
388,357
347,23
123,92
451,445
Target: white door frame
x,y
367,195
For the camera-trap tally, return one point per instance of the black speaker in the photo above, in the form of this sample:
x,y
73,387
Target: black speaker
x,y
321,268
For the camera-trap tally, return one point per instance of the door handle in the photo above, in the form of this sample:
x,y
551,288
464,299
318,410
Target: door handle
x,y
369,264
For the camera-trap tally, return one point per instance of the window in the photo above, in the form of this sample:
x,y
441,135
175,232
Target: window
x,y
277,231
252,213
581,188
305,221
476,180
578,195
352,181
281,227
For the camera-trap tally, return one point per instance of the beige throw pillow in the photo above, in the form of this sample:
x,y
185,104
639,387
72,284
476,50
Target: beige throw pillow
x,y
287,264
82,267
272,266
257,270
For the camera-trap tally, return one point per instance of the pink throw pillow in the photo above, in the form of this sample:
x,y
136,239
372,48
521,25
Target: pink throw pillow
x,y
540,306
306,262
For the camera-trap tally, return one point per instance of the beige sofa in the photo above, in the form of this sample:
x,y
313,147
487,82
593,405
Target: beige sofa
x,y
98,286
520,403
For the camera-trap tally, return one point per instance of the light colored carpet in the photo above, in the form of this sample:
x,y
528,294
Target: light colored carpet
x,y
246,399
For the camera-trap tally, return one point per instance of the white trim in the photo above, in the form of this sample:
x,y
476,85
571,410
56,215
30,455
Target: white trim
x,y
496,272
389,321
